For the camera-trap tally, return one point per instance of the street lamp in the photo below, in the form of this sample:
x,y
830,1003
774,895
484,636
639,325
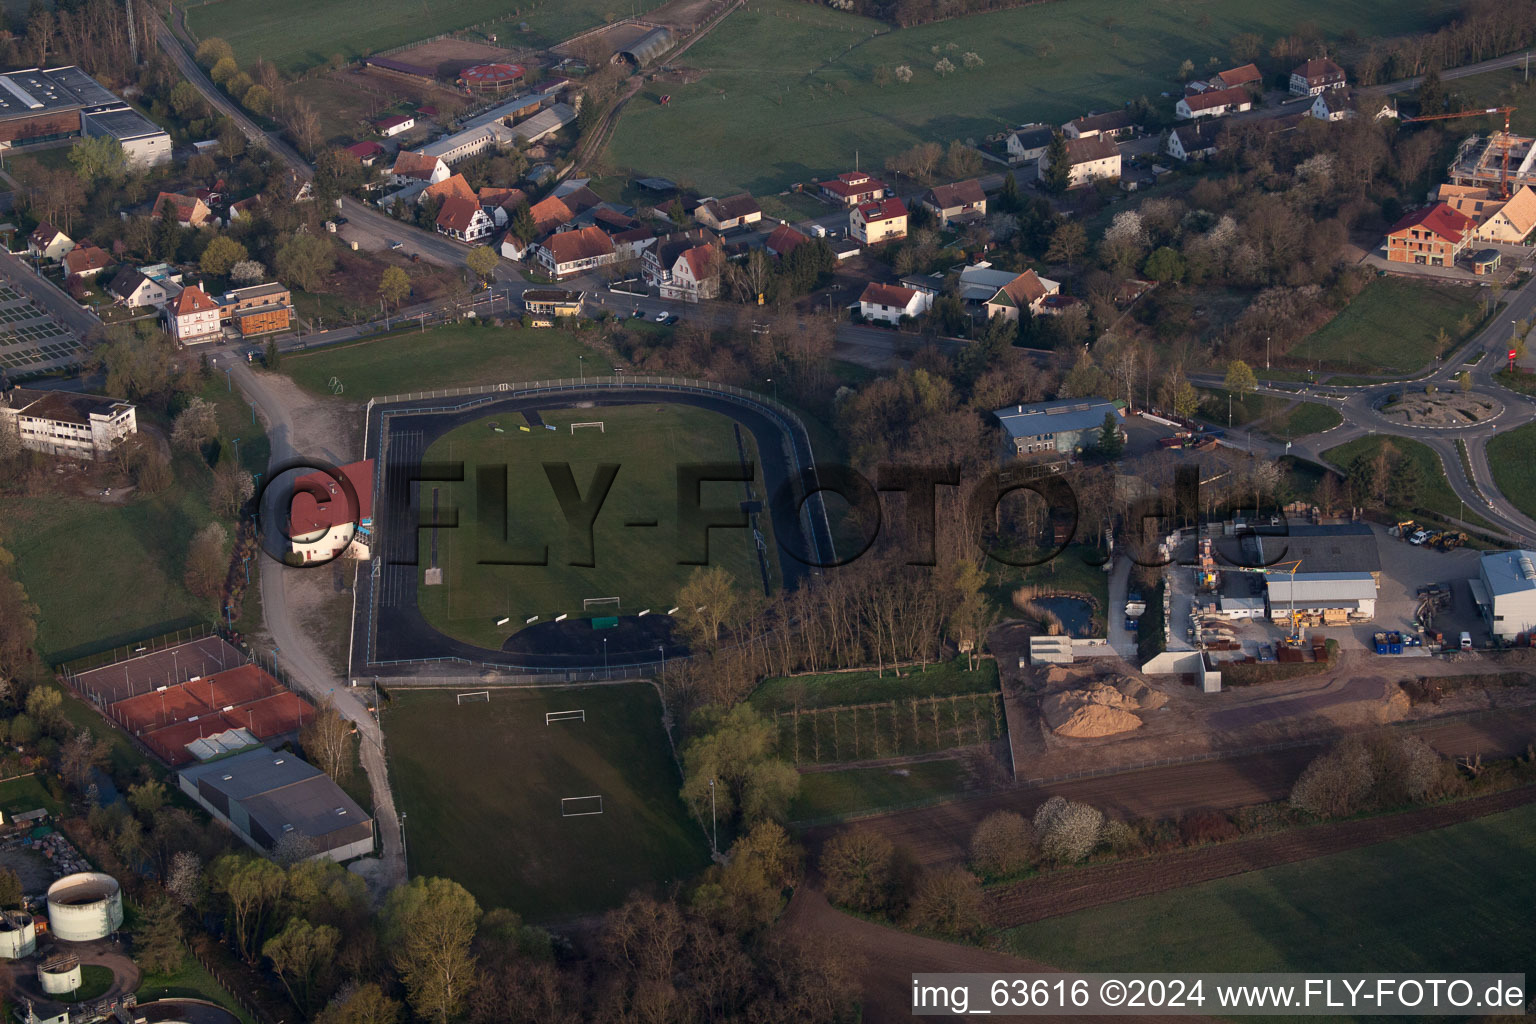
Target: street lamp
x,y
714,825
582,366
605,654
237,451
663,651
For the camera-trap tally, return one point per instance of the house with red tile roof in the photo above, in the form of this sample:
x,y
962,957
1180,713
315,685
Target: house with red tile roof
x,y
86,261
465,220
330,517
884,220
1315,76
960,202
1248,74
549,214
784,240
853,188
48,242
452,187
695,274
413,167
1432,236
193,317
891,302
189,211
1214,103
569,253
366,152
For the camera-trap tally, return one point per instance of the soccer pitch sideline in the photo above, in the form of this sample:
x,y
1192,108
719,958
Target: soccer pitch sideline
x,y
468,587
552,802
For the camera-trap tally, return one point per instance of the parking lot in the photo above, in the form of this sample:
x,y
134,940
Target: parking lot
x,y
31,341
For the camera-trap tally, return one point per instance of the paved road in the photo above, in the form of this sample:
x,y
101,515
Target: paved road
x,y
295,647
1513,60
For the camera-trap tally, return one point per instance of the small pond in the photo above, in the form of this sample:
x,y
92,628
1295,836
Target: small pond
x,y
1076,615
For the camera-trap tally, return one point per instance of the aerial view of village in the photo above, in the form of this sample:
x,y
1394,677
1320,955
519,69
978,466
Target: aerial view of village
x,y
804,511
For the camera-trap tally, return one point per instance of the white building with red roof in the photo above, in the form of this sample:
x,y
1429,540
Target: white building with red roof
x,y
884,220
891,302
573,252
1215,103
695,274
853,188
332,518
193,316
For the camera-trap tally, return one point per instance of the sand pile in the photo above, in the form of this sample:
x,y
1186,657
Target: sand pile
x,y
1097,710
1138,690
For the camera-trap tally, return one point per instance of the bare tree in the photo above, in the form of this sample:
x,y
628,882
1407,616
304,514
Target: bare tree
x,y
327,742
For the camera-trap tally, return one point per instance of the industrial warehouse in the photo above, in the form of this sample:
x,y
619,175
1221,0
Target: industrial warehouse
x,y
46,105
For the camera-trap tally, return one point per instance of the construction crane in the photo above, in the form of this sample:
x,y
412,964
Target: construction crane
x,y
1294,639
1502,140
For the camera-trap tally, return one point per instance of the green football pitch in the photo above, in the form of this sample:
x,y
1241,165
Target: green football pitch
x,y
640,565
551,818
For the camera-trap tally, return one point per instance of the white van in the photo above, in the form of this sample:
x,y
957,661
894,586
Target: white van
x,y
1466,641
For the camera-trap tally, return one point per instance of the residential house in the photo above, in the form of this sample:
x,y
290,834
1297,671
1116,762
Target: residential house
x,y
1333,105
137,290
188,211
452,187
193,317
66,422
569,253
660,258
1498,220
959,203
546,305
465,220
731,212
631,244
1316,76
695,274
397,124
1027,291
1056,428
366,152
1214,103
85,261
244,208
1194,141
1116,124
257,309
550,214
1434,236
853,188
513,248
410,168
1028,142
1090,159
875,222
784,240
499,202
48,242
889,302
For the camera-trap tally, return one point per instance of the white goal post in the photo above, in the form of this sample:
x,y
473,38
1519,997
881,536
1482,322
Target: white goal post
x,y
579,715
475,697
588,603
590,423
580,806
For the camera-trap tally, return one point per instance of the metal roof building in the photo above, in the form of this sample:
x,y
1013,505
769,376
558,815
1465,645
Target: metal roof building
x,y
1346,547
266,795
1062,425
648,47
1313,593
1507,581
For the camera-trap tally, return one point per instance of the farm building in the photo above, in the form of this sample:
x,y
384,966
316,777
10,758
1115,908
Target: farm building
x,y
266,797
1505,592
394,125
1330,597
68,423
545,123
1058,427
648,47
492,78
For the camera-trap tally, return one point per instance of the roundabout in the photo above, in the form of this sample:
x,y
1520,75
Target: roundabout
x,y
1440,410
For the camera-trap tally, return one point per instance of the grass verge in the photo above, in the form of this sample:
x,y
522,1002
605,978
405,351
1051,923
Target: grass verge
x,y
1509,456
850,791
1392,325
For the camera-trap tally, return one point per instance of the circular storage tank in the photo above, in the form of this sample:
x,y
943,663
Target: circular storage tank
x,y
60,976
84,907
18,935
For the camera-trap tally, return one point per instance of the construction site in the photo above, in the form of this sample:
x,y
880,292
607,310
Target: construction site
x,y
1500,161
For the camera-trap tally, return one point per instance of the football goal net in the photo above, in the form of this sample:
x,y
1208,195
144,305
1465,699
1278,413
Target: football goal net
x,y
588,603
579,715
580,806
474,698
590,423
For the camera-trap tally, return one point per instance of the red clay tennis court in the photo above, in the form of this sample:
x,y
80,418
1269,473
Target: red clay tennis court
x,y
156,710
274,715
237,686
170,665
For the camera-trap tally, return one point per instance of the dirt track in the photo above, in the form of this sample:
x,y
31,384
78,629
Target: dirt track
x,y
1065,892
940,834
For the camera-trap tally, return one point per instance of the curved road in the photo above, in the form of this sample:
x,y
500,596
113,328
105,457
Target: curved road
x,y
1358,406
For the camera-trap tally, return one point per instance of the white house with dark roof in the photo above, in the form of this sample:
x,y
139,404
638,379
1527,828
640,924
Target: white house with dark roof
x,y
890,302
1062,427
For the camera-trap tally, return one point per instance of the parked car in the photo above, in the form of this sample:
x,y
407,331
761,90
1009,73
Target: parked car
x,y
669,321
1130,625
397,246
661,317
1466,641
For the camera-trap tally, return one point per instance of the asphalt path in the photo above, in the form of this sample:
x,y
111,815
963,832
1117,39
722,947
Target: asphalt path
x,y
392,628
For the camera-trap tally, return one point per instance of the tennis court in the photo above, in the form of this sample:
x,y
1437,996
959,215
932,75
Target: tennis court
x,y
141,673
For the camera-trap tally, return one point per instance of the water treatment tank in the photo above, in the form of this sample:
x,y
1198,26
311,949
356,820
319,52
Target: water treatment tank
x,y
18,935
60,975
84,906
